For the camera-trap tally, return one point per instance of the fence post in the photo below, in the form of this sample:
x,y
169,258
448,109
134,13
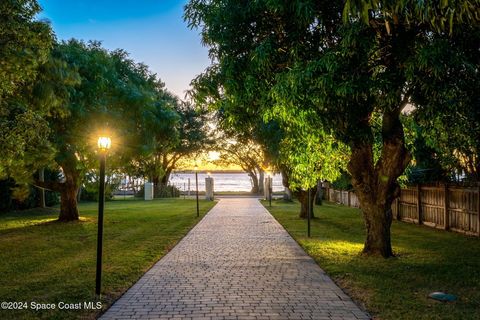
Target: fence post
x,y
348,197
397,205
419,203
478,210
446,216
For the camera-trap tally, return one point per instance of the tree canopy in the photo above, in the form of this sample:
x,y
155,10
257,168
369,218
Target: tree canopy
x,y
111,95
25,45
171,130
57,97
319,64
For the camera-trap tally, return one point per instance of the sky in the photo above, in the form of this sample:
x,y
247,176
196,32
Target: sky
x,y
151,31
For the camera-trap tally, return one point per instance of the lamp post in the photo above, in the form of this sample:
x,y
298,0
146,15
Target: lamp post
x,y
270,182
196,183
104,144
308,213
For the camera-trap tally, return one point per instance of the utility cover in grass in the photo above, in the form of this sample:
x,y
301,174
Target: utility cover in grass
x,y
442,296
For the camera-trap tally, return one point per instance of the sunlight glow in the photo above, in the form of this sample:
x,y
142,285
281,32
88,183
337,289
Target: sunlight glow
x,y
213,155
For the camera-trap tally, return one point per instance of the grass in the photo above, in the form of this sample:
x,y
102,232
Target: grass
x,y
45,261
426,260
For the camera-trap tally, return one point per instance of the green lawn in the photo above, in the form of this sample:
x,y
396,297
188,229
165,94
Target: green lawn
x,y
427,260
44,261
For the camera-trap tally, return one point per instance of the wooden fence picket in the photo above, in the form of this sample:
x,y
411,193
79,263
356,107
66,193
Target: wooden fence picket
x,y
445,207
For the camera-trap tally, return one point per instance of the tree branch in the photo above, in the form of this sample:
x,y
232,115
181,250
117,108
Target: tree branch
x,y
48,185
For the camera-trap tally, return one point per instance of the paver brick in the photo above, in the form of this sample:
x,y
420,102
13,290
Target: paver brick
x,y
237,263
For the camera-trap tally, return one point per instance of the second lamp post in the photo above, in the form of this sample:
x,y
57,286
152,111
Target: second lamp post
x,y
196,184
104,144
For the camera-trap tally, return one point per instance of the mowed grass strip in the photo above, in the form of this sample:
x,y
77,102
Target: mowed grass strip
x,y
426,260
45,261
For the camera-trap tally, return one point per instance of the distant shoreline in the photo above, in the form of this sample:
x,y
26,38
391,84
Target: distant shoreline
x,y
224,180
210,171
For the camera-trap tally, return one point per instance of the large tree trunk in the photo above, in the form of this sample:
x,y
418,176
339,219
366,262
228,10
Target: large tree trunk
x,y
166,177
68,203
68,195
476,169
157,186
319,194
261,177
41,191
287,196
255,187
378,220
160,183
302,196
376,185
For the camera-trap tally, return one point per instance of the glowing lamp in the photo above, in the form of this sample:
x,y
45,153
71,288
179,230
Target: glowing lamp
x,y
104,143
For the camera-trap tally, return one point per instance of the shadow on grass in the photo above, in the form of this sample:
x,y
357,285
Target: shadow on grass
x,y
40,217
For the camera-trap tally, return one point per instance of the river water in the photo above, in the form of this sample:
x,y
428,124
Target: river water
x,y
238,181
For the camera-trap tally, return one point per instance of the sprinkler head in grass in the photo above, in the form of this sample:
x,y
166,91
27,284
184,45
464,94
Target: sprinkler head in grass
x,y
442,296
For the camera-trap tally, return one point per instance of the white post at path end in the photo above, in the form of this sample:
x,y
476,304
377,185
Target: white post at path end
x,y
209,188
148,188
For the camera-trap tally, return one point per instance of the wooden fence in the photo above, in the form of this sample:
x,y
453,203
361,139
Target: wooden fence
x,y
444,207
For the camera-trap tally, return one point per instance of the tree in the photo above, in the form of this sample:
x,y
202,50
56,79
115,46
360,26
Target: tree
x,y
367,73
428,163
245,153
240,140
26,137
449,104
249,44
25,146
172,130
433,15
110,95
319,58
305,156
159,133
25,44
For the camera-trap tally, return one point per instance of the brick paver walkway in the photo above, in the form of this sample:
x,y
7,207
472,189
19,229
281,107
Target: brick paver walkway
x,y
237,263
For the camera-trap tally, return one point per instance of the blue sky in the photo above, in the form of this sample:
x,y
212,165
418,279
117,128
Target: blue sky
x,y
152,31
